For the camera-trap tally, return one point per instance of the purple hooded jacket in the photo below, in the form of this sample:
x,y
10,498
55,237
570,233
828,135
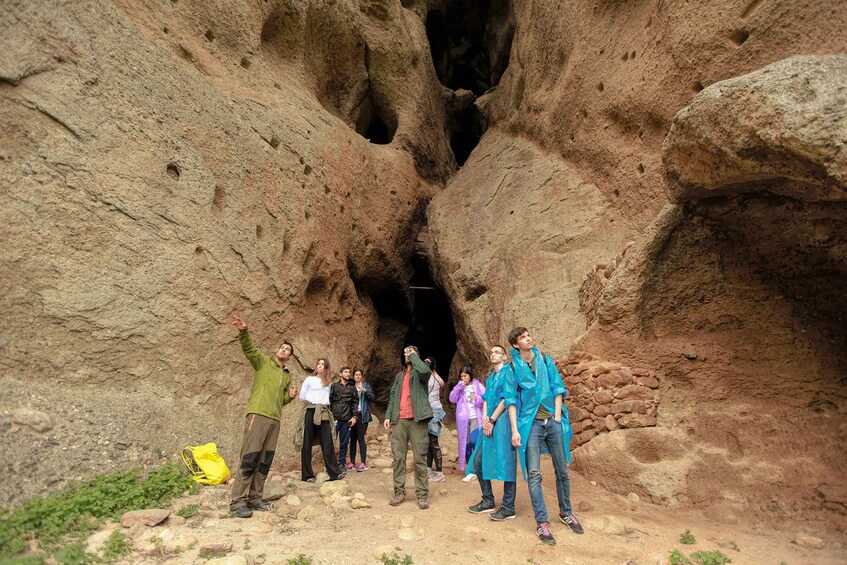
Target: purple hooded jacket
x,y
457,397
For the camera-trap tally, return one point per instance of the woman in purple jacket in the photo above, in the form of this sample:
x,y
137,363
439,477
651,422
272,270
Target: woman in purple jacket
x,y
467,396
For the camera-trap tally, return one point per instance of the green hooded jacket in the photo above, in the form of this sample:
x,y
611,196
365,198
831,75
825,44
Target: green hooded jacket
x,y
418,380
270,382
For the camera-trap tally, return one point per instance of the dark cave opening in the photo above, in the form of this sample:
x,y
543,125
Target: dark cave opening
x,y
467,128
431,328
470,42
377,131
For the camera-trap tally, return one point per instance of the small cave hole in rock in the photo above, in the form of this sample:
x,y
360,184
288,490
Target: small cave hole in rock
x,y
274,142
625,57
600,87
173,171
698,86
259,232
209,35
739,36
616,192
377,132
640,168
198,250
246,63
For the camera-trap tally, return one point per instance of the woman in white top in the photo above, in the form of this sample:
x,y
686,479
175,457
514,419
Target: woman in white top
x,y
317,423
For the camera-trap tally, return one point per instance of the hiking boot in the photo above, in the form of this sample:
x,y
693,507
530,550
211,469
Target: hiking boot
x,y
543,532
362,467
261,506
399,497
469,478
309,480
423,503
501,515
571,522
350,466
481,508
242,512
340,476
437,478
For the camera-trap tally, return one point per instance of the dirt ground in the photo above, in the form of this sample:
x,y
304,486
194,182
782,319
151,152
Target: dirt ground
x,y
616,532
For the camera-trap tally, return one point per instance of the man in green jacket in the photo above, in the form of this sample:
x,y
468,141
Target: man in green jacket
x,y
272,389
409,411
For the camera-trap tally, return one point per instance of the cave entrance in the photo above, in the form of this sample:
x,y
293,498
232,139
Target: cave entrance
x,y
432,328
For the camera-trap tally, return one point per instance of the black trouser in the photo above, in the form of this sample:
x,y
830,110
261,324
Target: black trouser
x,y
357,435
433,453
324,433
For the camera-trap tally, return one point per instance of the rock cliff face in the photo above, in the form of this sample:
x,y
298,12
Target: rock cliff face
x,y
167,164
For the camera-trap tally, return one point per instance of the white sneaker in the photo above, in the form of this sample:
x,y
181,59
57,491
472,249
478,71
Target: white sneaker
x,y
469,478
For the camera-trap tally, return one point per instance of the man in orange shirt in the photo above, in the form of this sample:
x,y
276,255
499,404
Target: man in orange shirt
x,y
409,412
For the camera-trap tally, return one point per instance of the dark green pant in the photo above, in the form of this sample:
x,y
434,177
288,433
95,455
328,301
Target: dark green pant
x,y
257,454
402,434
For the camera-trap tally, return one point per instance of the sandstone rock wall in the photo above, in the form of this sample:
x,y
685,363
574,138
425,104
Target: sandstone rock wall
x,y
167,164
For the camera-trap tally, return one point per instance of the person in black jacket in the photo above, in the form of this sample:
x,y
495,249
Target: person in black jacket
x,y
343,399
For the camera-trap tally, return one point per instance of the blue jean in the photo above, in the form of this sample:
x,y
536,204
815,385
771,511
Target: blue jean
x,y
547,433
342,429
509,487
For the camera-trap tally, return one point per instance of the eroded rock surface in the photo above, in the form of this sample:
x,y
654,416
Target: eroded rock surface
x,y
734,296
513,234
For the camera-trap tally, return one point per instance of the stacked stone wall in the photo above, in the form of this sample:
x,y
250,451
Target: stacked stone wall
x,y
604,396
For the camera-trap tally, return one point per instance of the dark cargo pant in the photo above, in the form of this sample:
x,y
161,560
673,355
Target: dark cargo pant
x,y
257,454
405,432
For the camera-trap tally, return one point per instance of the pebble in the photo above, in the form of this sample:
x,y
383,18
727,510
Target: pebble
x,y
406,534
292,500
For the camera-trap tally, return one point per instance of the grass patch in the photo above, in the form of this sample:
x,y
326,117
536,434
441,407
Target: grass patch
x,y
395,559
188,511
117,545
72,514
300,560
699,558
687,538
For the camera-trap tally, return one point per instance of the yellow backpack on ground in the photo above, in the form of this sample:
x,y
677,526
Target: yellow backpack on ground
x,y
204,462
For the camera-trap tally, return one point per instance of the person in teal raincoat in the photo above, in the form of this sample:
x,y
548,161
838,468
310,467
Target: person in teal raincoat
x,y
495,457
544,427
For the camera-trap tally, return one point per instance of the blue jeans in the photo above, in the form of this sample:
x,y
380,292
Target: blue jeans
x,y
547,433
509,487
342,428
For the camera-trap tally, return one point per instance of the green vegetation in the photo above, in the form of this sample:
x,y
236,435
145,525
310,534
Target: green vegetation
x,y
733,545
710,558
678,558
395,559
116,546
687,538
79,510
75,554
188,511
300,560
699,558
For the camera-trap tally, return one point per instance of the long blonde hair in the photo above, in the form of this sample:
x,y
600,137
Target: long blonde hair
x,y
326,378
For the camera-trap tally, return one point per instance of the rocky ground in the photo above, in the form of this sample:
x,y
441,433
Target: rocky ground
x,y
350,520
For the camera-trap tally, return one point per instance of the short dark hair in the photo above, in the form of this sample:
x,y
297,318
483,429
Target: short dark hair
x,y
288,343
515,334
344,368
357,370
431,362
503,349
466,369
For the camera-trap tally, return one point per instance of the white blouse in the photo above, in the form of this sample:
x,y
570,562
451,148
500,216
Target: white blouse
x,y
314,392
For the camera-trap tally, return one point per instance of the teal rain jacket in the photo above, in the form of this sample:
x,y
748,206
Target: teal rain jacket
x,y
499,458
538,389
